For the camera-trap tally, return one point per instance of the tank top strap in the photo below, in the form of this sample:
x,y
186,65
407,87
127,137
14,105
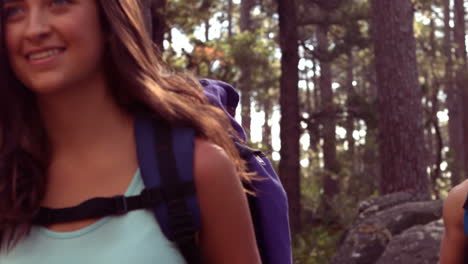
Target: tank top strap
x,y
465,217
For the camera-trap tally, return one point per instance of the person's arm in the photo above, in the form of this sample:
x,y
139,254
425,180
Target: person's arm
x,y
227,235
454,241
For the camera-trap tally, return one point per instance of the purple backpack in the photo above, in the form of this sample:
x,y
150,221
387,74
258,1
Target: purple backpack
x,y
165,161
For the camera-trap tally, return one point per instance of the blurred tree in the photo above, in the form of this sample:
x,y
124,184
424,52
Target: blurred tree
x,y
454,101
289,168
245,82
229,17
429,61
401,137
332,167
461,89
337,31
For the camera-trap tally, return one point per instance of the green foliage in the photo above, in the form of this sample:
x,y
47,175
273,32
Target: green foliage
x,y
213,59
315,245
187,14
250,48
318,241
247,49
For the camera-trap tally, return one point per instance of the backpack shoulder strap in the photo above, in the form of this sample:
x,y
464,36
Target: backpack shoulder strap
x,y
165,157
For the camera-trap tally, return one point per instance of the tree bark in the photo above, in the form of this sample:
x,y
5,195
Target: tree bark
x,y
266,128
351,94
229,14
332,168
436,150
454,103
246,69
401,136
207,29
317,102
308,110
349,125
289,169
461,92
313,129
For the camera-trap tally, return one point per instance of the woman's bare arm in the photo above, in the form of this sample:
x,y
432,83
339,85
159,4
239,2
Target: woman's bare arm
x,y
227,235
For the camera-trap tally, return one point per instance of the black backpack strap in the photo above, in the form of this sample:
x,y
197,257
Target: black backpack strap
x,y
105,206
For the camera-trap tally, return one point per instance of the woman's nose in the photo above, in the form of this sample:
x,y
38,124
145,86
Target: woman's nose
x,y
38,27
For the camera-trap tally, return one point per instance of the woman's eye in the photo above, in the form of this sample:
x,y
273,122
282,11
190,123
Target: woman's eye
x,y
11,11
60,2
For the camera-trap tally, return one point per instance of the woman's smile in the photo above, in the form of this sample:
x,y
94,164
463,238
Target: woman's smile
x,y
44,57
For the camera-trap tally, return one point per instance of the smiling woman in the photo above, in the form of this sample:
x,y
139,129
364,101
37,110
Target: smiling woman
x,y
74,37
75,75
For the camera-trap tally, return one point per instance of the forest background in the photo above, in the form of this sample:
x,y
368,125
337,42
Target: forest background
x,y
350,98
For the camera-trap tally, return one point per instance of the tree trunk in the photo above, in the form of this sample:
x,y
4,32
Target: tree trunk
x,y
460,52
369,160
158,22
436,172
351,94
246,69
349,125
330,185
314,132
317,102
436,150
266,128
229,14
308,99
289,169
207,29
454,104
312,129
401,136
308,110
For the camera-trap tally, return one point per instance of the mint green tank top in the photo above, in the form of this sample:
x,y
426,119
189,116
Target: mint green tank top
x,y
131,238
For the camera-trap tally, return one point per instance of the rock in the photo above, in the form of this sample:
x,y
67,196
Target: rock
x,y
398,218
417,245
379,203
368,237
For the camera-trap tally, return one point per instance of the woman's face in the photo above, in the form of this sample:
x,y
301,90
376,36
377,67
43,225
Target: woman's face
x,y
53,44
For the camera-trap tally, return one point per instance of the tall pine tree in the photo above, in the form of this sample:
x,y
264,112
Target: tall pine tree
x,y
401,137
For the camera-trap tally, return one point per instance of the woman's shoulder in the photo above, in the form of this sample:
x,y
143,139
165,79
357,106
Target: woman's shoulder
x,y
211,162
458,194
453,204
223,206
215,175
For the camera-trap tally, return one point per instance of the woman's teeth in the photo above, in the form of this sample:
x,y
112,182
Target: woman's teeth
x,y
44,54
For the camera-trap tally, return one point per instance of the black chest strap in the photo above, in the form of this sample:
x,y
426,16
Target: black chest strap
x,y
117,205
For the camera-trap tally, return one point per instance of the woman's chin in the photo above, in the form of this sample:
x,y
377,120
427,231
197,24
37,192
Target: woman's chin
x,y
46,83
46,88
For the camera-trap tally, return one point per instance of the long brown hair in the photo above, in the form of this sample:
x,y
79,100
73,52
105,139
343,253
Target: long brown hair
x,y
140,83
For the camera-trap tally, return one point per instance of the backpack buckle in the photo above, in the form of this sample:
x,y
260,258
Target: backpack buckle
x,y
121,206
